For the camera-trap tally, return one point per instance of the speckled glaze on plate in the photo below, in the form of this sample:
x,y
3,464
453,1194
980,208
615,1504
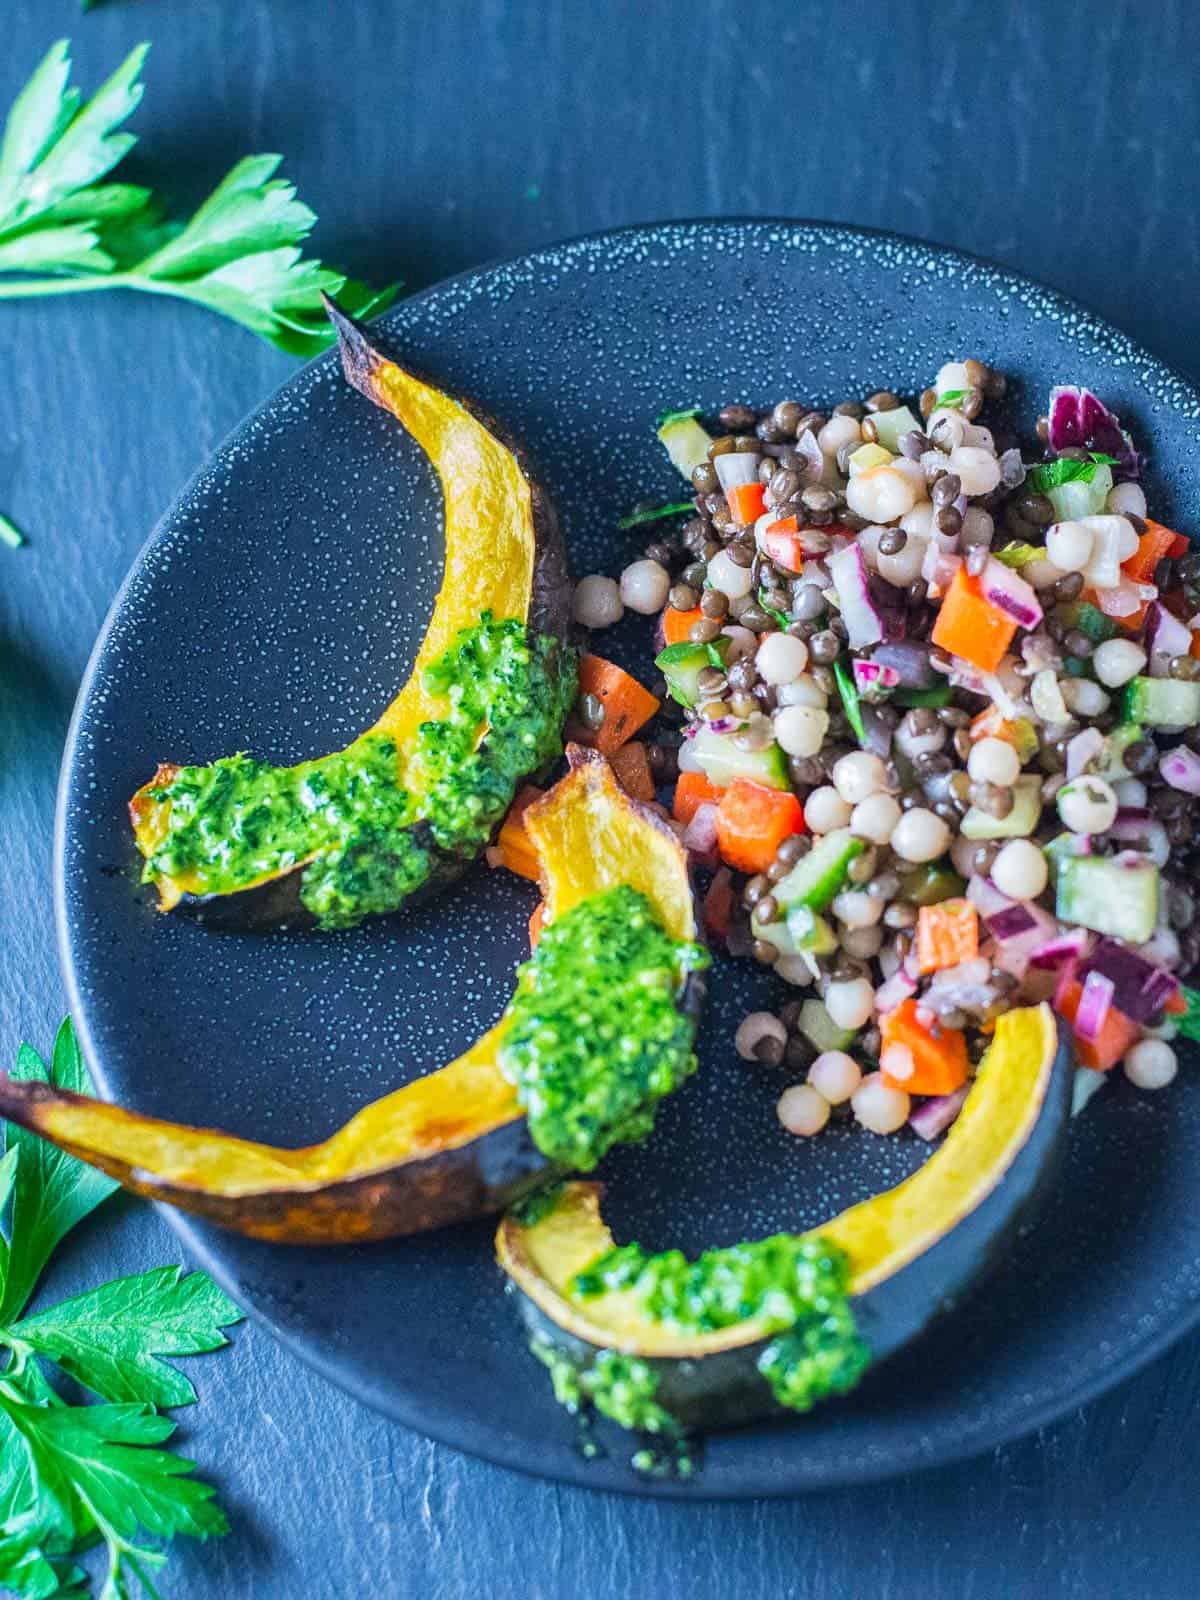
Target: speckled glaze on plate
x,y
277,607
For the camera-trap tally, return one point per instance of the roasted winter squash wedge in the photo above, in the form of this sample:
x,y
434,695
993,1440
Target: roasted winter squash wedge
x,y
414,799
672,1335
536,1094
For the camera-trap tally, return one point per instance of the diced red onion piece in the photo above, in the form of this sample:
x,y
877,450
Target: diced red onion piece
x,y
735,468
898,988
1011,923
1070,945
1166,637
1078,417
1017,938
873,676
848,570
932,1118
1094,1005
1181,769
1066,977
985,897
1141,987
1008,592
700,835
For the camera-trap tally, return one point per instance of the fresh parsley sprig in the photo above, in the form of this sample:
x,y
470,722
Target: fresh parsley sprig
x,y
64,231
72,1476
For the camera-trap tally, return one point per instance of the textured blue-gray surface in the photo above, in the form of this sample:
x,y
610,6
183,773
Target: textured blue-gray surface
x,y
431,138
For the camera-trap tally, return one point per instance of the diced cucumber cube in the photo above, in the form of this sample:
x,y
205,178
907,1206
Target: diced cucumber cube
x,y
681,665
819,876
1117,896
720,760
1082,497
774,933
821,1031
1020,821
891,426
1162,702
811,934
1064,847
686,442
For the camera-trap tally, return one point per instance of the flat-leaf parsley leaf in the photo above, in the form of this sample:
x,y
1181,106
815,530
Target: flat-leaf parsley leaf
x,y
63,231
75,1475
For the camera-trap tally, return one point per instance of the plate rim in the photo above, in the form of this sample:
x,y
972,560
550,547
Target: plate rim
x,y
392,1404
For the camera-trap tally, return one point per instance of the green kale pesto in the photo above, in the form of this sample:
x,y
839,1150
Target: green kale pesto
x,y
622,1388
594,1037
375,822
796,1287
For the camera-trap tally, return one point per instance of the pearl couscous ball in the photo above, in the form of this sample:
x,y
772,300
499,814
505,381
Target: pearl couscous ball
x,y
802,1110
835,1075
878,1106
920,835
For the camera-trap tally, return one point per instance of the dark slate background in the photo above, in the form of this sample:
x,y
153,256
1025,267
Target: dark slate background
x,y
1062,140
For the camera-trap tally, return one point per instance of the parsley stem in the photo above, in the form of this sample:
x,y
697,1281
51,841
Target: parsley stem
x,y
28,288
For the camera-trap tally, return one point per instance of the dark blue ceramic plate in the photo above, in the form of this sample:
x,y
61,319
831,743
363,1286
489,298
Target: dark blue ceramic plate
x,y
276,609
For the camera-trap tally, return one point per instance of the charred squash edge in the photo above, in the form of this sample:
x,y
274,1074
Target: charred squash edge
x,y
274,900
463,1145
908,1263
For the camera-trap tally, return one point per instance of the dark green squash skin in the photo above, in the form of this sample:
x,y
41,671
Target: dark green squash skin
x,y
275,903
726,1389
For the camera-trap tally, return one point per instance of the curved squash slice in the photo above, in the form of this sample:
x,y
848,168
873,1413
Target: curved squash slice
x,y
416,797
451,1145
910,1252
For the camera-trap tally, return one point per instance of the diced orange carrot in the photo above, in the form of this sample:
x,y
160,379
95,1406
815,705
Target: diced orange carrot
x,y
626,704
1117,1036
747,502
970,626
947,933
691,792
677,625
752,822
536,923
717,910
512,848
631,768
1156,543
1176,1005
938,1054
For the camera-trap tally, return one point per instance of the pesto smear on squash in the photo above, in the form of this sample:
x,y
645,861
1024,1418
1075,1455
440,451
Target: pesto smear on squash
x,y
595,1037
794,1286
373,821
